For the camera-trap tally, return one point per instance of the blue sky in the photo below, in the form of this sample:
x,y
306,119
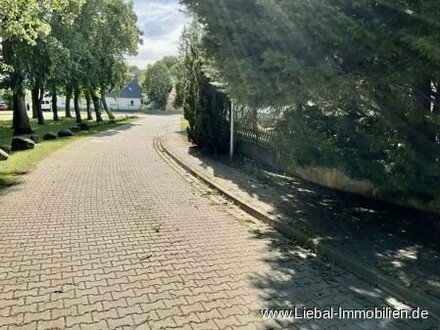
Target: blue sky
x,y
162,22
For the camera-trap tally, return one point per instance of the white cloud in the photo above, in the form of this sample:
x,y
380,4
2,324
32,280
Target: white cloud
x,y
162,22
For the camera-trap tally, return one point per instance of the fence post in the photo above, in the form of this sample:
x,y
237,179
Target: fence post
x,y
231,146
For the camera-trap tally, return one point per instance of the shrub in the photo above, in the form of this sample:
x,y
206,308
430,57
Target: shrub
x,y
362,147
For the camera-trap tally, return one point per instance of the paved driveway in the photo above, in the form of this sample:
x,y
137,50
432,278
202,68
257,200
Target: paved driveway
x,y
106,235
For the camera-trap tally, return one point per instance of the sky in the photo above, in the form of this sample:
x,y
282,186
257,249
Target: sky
x,y
162,22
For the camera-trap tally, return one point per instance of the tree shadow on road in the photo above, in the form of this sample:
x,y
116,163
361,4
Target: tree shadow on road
x,y
399,242
301,280
163,113
115,130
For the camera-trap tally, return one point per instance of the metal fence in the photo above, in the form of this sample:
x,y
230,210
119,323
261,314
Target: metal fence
x,y
263,137
256,126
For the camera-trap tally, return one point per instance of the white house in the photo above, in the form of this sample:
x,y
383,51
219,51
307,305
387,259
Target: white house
x,y
129,98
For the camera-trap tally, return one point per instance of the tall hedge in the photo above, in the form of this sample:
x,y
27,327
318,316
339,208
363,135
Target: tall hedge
x,y
205,106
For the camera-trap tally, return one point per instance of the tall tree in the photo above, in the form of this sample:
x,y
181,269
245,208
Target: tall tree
x,y
45,66
339,67
335,53
205,106
157,84
16,81
21,24
110,37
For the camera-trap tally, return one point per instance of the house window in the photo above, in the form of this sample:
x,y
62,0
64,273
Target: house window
x,y
132,102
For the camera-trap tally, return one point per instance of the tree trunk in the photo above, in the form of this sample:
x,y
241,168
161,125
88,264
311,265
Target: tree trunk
x,y
76,105
106,108
38,107
55,105
34,105
88,106
20,121
69,91
97,106
35,94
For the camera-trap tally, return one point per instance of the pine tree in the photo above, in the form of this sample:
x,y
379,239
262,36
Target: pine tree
x,y
342,67
205,106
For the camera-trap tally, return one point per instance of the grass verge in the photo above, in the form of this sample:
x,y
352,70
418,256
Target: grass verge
x,y
183,124
183,128
21,162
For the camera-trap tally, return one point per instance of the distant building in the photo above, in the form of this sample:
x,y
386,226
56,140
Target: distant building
x,y
129,98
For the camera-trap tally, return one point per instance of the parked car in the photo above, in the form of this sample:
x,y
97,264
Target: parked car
x,y
3,106
46,105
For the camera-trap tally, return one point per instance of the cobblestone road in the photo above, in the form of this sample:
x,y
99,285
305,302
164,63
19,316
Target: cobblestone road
x,y
106,235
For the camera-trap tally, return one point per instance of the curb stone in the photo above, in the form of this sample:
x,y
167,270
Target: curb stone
x,y
383,282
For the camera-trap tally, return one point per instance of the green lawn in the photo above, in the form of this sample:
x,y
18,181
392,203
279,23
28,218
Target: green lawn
x,y
183,126
183,123
21,162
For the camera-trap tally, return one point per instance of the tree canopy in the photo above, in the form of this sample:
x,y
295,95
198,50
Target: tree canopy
x,y
289,51
361,78
28,20
157,84
73,46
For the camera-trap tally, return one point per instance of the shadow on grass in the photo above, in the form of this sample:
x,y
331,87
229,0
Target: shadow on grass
x,y
21,162
10,179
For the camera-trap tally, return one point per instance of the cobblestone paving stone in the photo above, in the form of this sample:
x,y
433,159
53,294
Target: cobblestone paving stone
x,y
105,234
387,238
